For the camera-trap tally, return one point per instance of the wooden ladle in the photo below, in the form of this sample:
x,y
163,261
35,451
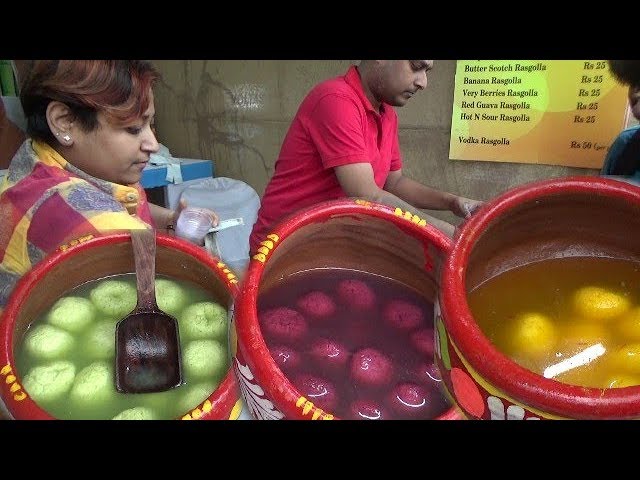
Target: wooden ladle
x,y
147,341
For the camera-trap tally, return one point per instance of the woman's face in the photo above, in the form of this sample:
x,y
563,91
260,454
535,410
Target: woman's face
x,y
115,154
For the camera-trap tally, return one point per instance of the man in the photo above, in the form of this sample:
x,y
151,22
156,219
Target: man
x,y
623,157
343,142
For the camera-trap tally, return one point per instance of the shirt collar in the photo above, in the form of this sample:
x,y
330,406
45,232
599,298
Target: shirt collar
x,y
353,79
128,196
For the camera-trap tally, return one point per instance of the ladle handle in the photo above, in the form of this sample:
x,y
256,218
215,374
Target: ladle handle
x,y
144,254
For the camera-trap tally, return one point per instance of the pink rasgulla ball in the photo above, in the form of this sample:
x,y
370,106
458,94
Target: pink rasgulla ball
x,y
410,400
318,390
371,368
423,341
403,315
367,410
356,294
286,357
316,304
427,372
329,353
283,325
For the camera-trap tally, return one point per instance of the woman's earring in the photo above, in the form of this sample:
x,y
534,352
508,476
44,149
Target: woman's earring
x,y
66,138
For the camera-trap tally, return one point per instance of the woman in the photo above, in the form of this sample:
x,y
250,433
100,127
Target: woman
x,y
89,127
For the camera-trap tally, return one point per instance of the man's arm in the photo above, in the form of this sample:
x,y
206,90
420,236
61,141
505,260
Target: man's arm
x,y
357,180
426,197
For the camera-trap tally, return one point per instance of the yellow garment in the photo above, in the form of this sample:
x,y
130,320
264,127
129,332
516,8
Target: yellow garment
x,y
46,203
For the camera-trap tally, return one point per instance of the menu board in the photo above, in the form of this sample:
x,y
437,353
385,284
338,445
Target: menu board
x,y
553,112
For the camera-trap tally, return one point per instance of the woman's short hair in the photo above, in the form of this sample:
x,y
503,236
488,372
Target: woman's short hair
x,y
120,89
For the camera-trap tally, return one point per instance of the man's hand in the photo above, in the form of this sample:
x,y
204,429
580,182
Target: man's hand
x,y
464,207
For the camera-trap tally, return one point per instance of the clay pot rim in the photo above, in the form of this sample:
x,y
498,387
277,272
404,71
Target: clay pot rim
x,y
544,394
223,398
274,382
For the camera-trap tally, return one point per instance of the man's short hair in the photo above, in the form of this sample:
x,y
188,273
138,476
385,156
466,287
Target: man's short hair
x,y
626,72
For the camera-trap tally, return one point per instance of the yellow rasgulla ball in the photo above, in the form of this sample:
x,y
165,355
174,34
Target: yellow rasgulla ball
x,y
596,303
533,334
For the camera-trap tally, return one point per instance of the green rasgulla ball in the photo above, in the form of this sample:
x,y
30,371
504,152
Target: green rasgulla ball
x,y
136,413
72,313
49,382
194,395
93,389
159,402
99,343
170,296
203,320
204,359
46,342
115,298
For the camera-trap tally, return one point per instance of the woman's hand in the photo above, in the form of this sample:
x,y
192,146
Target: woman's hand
x,y
182,205
169,218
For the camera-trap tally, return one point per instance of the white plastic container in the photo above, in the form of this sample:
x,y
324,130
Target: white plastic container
x,y
193,224
229,199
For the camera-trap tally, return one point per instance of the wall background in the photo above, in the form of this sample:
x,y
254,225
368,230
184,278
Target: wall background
x,y
237,112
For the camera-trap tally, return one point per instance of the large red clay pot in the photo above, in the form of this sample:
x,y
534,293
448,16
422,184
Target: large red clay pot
x,y
96,258
350,234
576,216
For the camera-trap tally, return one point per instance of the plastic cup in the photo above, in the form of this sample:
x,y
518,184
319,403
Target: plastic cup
x,y
193,225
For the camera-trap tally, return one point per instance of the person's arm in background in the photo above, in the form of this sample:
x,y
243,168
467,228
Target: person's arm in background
x,y
357,180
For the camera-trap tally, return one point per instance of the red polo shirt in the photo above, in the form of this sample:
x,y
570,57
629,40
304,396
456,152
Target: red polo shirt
x,y
335,125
